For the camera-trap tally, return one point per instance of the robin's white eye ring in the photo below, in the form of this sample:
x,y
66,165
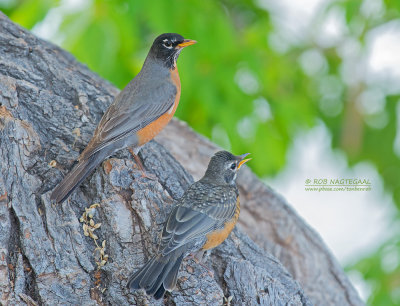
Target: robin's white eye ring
x,y
233,166
168,44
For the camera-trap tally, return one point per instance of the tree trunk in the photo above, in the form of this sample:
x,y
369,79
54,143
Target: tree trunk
x,y
80,253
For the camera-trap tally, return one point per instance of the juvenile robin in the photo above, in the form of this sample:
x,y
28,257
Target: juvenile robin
x,y
201,220
137,115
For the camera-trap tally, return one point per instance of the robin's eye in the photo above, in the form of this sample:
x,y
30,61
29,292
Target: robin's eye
x,y
168,44
233,166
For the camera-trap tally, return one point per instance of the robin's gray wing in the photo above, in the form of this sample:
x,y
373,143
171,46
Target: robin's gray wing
x,y
186,224
130,112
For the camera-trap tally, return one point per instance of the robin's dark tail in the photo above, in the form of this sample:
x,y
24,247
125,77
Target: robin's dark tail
x,y
75,177
157,275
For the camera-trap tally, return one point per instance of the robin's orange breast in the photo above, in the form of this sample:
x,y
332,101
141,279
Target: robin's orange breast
x,y
217,237
151,130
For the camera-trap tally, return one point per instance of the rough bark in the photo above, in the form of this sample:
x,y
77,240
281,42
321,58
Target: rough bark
x,y
50,105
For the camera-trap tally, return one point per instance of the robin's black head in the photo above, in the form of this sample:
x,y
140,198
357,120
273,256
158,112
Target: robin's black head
x,y
168,46
223,167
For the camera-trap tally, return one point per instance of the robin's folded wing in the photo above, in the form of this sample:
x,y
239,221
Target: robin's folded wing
x,y
130,113
186,224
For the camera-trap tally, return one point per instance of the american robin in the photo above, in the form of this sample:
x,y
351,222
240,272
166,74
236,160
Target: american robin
x,y
138,113
202,219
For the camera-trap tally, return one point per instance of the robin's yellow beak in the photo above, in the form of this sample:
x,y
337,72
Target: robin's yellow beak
x,y
243,161
186,42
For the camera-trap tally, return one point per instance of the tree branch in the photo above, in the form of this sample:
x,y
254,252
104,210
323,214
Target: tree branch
x,y
54,254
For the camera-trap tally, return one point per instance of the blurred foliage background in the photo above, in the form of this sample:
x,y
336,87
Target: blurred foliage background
x,y
254,79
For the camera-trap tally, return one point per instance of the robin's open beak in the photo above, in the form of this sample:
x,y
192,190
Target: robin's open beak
x,y
243,161
186,42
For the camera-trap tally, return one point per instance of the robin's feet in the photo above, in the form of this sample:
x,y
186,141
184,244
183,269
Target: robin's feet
x,y
139,163
197,258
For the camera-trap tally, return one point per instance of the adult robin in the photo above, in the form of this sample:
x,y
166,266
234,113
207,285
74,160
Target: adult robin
x,y
137,115
202,219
